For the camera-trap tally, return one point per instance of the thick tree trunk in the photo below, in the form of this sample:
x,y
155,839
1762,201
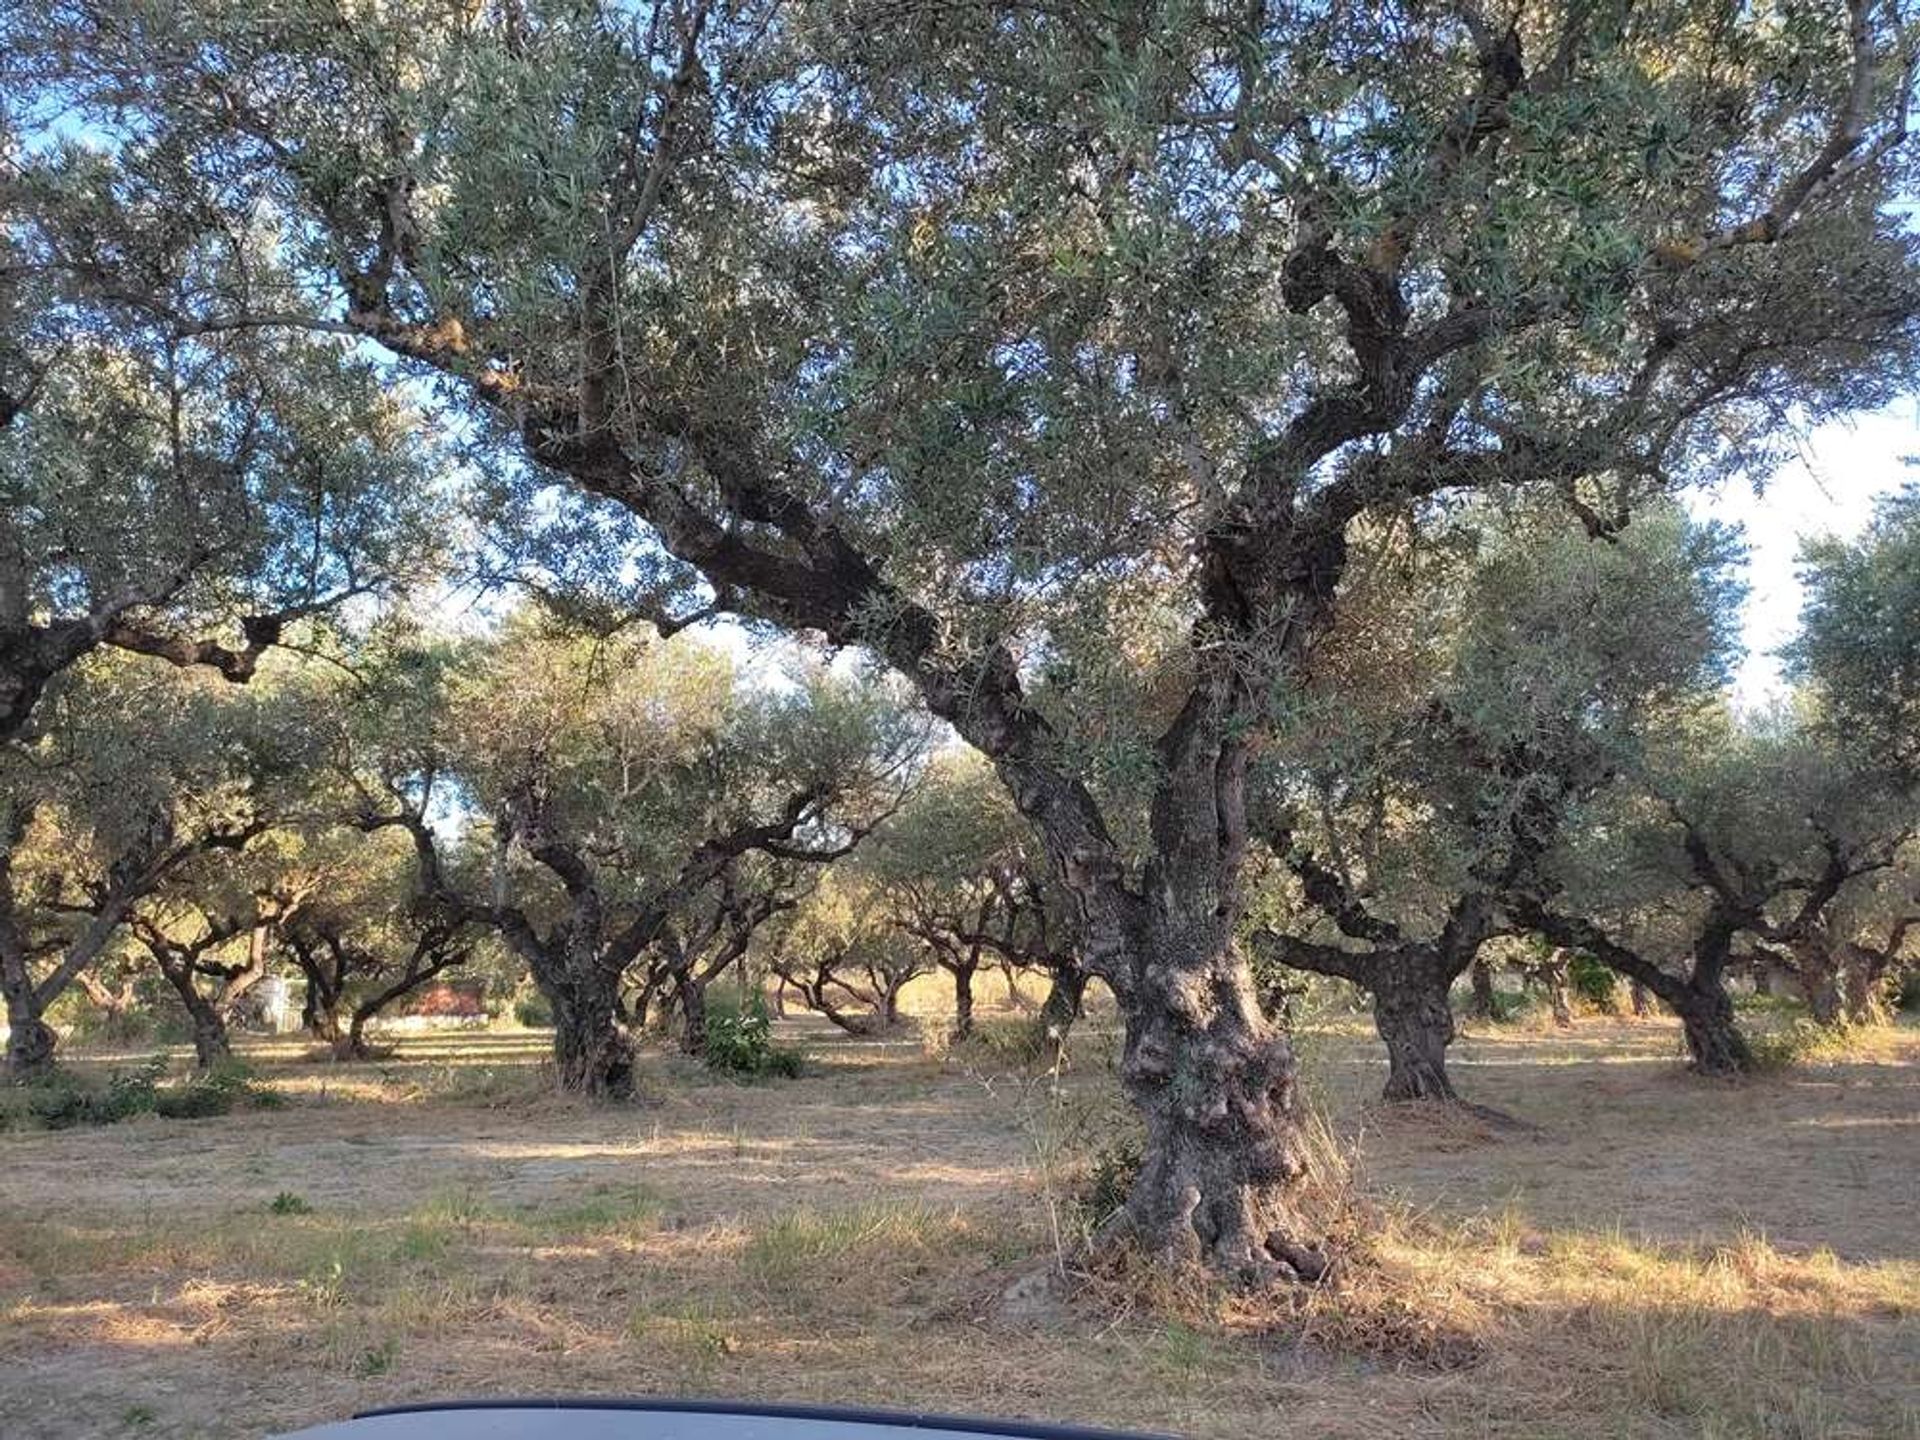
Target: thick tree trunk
x,y
690,995
1414,1017
1483,1001
1862,978
1559,993
322,1021
1637,996
30,1040
211,1044
351,1044
1823,998
1714,1041
1216,1084
1061,1008
962,1001
592,1053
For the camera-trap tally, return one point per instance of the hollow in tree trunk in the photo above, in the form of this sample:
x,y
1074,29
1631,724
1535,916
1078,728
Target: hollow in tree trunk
x,y
1415,1020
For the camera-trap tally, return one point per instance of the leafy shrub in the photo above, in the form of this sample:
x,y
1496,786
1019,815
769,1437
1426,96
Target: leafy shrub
x,y
288,1203
1593,982
533,1012
66,1101
740,1041
1014,1041
1907,998
1804,1042
1510,1005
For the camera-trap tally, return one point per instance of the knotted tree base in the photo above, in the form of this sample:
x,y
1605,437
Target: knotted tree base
x,y
1225,1175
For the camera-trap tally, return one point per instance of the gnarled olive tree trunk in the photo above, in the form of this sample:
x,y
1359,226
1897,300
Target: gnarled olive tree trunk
x,y
30,1040
1216,1083
1483,994
1715,1045
1414,1015
591,1048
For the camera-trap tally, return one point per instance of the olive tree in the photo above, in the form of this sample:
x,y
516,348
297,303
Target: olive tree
x,y
840,951
961,871
609,790
1440,761
1005,338
368,939
1731,831
180,493
145,776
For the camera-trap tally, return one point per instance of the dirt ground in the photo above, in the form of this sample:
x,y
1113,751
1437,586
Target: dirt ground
x,y
1660,1257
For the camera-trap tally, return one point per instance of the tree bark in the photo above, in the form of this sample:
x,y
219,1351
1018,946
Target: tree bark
x,y
1216,1084
962,1001
1714,1040
211,1043
1554,973
1483,1001
1412,1012
30,1040
1061,1008
593,1054
690,995
1637,996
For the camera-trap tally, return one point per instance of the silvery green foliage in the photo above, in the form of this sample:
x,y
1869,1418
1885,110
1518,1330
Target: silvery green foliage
x,y
184,491
1019,298
1859,641
1483,690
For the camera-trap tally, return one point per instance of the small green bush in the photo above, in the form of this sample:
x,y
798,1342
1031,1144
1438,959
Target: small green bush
x,y
740,1041
1803,1042
288,1203
1593,982
1510,1005
533,1012
65,1101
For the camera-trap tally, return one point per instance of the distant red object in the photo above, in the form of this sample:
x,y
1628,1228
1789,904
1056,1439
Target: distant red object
x,y
449,1001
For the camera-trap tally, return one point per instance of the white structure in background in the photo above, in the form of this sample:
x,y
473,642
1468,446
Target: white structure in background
x,y
275,999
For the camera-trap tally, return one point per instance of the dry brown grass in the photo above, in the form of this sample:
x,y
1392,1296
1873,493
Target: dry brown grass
x,y
1663,1258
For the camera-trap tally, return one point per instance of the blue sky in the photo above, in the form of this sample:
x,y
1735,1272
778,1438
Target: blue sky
x,y
1831,490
